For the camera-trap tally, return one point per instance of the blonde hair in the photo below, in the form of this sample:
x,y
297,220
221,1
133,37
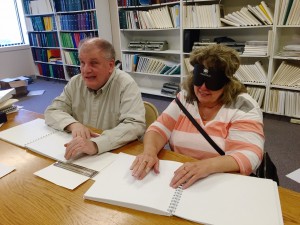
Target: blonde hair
x,y
221,57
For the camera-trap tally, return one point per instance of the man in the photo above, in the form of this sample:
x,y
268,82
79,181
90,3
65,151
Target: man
x,y
101,97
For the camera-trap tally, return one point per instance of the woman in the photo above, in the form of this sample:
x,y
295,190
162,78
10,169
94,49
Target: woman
x,y
221,105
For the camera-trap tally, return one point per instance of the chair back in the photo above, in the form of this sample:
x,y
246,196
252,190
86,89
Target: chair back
x,y
151,113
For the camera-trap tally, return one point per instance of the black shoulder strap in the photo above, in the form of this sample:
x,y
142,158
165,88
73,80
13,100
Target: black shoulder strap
x,y
201,130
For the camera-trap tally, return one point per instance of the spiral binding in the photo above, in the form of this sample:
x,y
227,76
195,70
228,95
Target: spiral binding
x,y
39,138
175,200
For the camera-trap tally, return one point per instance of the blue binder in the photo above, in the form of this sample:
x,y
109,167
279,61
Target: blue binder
x,y
145,2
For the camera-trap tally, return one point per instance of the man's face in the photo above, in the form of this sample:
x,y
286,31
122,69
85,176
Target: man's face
x,y
95,68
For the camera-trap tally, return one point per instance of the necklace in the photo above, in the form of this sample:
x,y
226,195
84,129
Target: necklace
x,y
203,116
207,113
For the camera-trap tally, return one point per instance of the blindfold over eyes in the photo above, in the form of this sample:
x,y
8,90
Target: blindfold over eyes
x,y
214,79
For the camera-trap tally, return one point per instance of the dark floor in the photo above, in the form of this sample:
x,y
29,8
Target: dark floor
x,y
282,137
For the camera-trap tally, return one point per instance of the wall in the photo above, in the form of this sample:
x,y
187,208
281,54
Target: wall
x,y
16,61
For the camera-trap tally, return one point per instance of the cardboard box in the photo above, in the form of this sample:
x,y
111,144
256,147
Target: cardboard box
x,y
19,85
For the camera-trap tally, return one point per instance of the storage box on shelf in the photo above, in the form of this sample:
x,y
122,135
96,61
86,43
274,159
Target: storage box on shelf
x,y
55,28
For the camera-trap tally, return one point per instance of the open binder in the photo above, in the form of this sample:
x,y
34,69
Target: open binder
x,y
218,199
38,137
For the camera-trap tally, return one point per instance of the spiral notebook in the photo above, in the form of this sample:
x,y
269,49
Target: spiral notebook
x,y
38,137
218,199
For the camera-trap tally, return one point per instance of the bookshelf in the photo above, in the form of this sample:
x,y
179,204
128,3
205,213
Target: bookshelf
x,y
280,98
284,90
55,28
151,80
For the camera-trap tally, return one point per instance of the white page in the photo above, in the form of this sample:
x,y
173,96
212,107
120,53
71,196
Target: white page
x,y
52,146
61,177
26,132
4,169
230,199
115,185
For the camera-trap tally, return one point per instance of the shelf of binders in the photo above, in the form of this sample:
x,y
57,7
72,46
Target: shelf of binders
x,y
43,38
55,29
73,27
156,23
284,93
284,96
151,71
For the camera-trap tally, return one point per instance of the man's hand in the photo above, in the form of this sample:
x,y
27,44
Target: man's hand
x,y
79,145
79,130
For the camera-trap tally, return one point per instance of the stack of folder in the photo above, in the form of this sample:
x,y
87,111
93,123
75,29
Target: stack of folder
x,y
7,102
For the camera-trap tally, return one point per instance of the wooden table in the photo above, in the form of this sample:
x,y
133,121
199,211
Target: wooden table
x,y
29,200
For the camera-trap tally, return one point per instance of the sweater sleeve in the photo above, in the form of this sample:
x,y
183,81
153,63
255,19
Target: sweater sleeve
x,y
245,140
59,113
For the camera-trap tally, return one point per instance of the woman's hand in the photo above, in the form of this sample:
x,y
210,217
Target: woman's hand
x,y
189,173
144,162
142,165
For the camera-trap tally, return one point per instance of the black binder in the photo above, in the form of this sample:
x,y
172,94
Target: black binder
x,y
189,37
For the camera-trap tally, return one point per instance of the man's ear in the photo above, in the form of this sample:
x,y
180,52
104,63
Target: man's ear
x,y
111,65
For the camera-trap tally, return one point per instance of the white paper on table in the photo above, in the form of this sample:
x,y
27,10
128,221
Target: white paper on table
x,y
294,175
4,169
71,180
61,177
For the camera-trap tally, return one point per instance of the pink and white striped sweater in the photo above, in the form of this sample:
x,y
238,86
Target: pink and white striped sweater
x,y
237,129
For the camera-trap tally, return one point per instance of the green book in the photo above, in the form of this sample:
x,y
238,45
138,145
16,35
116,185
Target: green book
x,y
122,19
165,69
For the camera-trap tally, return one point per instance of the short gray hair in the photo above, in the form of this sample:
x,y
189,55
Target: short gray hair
x,y
99,43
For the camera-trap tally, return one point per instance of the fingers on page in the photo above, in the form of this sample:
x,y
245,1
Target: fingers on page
x,y
134,164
